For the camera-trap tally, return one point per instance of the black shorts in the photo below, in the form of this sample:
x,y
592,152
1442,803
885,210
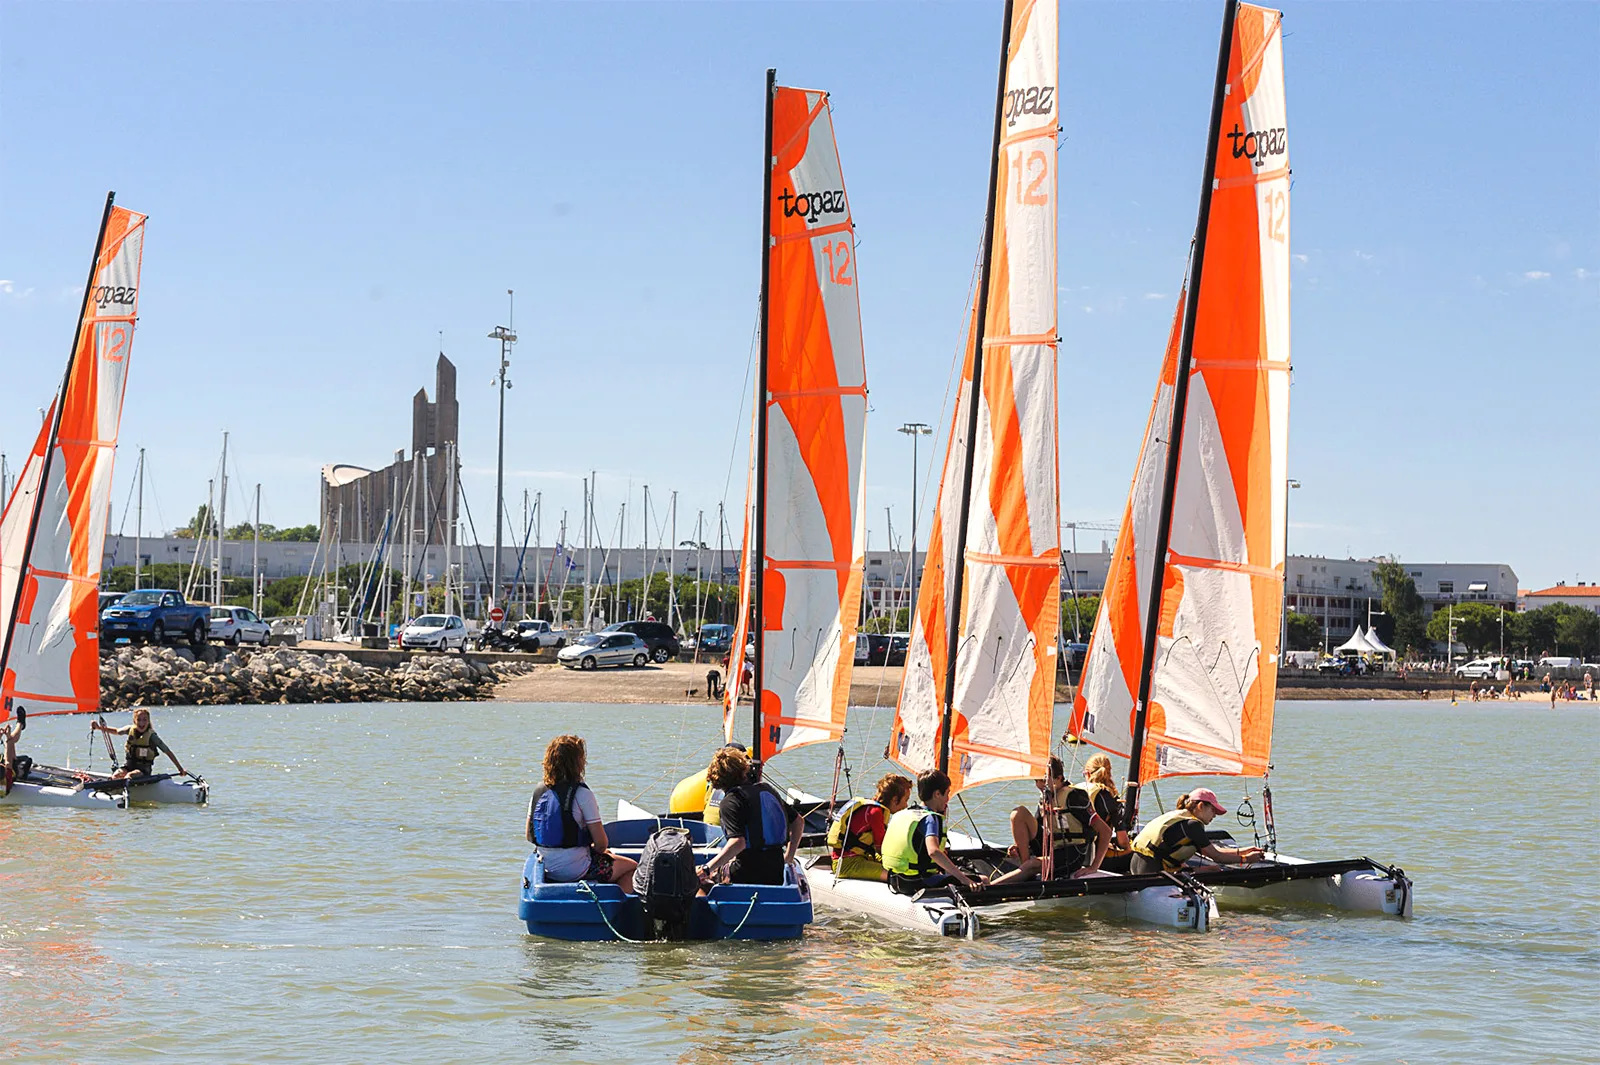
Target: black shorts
x,y
765,866
933,883
140,769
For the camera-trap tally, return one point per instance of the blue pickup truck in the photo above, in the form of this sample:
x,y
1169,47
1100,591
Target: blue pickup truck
x,y
154,615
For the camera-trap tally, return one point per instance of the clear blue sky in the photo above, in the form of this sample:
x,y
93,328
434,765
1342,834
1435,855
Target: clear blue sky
x,y
330,186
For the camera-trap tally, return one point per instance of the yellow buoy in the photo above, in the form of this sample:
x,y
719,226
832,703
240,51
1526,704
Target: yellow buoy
x,y
689,797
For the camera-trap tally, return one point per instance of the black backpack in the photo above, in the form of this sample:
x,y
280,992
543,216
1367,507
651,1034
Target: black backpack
x,y
666,880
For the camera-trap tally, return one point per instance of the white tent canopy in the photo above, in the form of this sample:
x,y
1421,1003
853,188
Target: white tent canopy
x,y
1358,643
1378,646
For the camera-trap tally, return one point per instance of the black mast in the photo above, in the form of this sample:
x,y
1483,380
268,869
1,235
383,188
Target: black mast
x,y
55,431
759,555
1180,400
953,605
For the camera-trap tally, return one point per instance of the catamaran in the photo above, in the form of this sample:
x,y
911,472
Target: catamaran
x,y
53,532
985,712
1181,672
805,531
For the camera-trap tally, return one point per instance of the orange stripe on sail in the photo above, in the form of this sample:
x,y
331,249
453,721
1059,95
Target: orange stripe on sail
x,y
1194,562
808,234
1017,339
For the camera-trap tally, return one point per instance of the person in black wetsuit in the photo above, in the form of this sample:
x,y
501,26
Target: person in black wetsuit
x,y
762,831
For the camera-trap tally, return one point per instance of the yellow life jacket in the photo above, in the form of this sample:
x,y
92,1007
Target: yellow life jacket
x,y
842,841
1151,841
140,748
900,848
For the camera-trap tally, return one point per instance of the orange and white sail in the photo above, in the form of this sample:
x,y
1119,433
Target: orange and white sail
x,y
814,402
1217,645
52,536
1010,518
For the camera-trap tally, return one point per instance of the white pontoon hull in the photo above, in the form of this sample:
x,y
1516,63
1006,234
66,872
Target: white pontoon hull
x,y
1359,891
34,793
48,785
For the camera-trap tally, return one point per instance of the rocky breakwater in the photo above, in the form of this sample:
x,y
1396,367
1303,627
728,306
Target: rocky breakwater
x,y
164,676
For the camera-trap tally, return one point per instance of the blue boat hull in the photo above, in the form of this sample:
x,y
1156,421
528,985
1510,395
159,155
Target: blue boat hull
x,y
601,912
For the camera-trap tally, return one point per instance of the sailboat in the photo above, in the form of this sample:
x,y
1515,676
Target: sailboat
x,y
805,531
984,713
1181,673
53,531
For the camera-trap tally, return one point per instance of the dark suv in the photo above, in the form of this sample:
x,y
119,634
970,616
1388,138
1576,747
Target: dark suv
x,y
657,635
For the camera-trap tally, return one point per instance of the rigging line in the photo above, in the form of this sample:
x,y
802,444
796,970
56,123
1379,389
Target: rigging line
x,y
744,393
972,821
477,542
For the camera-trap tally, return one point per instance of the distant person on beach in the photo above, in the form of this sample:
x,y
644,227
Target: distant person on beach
x,y
139,754
914,842
762,831
856,834
1172,839
1588,686
564,822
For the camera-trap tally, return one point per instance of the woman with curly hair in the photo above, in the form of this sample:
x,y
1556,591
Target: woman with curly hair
x,y
564,822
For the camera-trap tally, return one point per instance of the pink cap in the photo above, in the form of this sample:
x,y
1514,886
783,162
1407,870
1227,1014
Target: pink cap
x,y
1209,797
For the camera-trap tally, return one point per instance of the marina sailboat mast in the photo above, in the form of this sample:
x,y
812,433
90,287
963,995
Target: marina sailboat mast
x,y
1181,672
805,529
979,686
52,534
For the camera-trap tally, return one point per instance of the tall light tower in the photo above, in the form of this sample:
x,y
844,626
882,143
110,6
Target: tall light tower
x,y
507,337
913,430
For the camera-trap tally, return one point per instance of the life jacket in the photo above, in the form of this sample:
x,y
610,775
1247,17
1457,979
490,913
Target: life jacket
x,y
713,815
901,854
550,820
141,748
766,819
1070,827
842,841
1093,790
1152,841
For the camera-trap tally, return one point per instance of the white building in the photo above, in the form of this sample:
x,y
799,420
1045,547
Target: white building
x,y
1585,596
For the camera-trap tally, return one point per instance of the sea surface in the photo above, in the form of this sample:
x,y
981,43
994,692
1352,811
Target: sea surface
x,y
350,895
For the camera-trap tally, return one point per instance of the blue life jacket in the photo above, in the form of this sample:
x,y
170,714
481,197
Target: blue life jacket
x,y
550,819
766,817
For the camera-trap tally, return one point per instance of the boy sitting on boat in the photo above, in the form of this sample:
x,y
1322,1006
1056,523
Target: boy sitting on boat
x,y
761,829
564,822
139,755
915,839
856,834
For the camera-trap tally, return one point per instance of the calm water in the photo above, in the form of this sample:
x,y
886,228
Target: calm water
x,y
350,895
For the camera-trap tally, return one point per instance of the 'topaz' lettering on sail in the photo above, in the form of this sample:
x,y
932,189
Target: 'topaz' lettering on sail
x,y
1033,100
106,294
809,205
1257,145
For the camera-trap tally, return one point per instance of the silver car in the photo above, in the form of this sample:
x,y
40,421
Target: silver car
x,y
605,649
234,625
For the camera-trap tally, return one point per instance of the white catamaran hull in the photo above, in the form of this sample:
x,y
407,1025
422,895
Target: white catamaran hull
x,y
1359,891
47,785
42,793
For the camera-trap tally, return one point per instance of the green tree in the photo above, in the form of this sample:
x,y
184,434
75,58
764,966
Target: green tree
x,y
1083,611
1305,632
1477,626
199,525
1401,626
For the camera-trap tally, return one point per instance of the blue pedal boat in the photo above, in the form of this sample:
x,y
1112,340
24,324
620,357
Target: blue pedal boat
x,y
604,912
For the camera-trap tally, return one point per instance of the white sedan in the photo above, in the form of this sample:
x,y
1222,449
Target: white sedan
x,y
234,625
435,632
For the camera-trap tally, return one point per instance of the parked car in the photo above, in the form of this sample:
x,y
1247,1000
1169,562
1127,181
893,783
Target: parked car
x,y
234,625
657,635
877,649
1479,669
534,634
863,648
715,639
604,649
435,632
154,615
107,598
899,642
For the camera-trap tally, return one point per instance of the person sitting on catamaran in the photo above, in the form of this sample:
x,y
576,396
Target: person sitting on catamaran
x,y
8,755
914,842
1173,838
564,822
1081,820
761,829
857,833
139,755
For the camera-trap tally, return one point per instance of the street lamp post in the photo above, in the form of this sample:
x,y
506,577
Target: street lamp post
x,y
507,337
913,430
1283,635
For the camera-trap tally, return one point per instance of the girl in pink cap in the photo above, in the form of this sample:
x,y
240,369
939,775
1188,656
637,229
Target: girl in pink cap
x,y
1172,839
